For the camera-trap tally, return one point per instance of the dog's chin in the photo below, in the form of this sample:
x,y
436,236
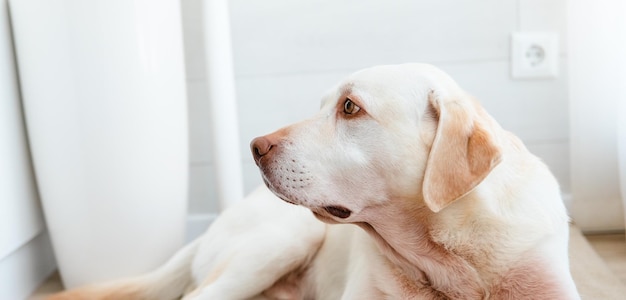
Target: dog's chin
x,y
324,218
328,214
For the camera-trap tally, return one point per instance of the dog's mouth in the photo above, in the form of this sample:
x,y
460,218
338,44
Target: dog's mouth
x,y
338,211
276,192
326,213
286,200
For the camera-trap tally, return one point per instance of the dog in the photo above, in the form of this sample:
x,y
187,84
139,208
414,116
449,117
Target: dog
x,y
401,187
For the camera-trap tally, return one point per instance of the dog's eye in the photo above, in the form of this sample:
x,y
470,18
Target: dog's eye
x,y
350,108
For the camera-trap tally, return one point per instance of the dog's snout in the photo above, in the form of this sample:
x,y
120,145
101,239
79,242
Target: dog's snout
x,y
260,147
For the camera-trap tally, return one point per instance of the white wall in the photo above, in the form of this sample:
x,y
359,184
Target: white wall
x,y
288,53
25,253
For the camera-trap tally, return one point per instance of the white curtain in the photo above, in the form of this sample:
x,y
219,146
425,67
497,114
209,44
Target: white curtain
x,y
597,77
221,91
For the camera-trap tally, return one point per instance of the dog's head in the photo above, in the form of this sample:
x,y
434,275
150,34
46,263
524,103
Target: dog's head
x,y
385,133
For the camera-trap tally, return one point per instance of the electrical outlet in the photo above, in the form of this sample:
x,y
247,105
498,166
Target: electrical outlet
x,y
534,55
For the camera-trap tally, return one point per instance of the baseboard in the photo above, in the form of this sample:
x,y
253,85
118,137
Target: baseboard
x,y
197,225
22,271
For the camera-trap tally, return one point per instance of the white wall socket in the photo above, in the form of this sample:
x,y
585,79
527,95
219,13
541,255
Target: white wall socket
x,y
534,55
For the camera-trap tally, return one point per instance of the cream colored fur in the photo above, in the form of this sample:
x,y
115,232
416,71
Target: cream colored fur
x,y
420,194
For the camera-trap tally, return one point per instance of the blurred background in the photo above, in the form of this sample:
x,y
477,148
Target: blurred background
x,y
550,71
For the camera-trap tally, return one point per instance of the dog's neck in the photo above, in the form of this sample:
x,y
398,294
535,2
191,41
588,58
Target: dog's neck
x,y
403,237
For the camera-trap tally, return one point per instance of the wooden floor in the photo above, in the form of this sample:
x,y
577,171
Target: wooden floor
x,y
611,247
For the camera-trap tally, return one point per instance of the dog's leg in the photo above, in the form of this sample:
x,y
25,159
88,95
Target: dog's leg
x,y
252,246
167,282
250,271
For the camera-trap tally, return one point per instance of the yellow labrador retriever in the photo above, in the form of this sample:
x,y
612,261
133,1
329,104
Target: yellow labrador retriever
x,y
420,194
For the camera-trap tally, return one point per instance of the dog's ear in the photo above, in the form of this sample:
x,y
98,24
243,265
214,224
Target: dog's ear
x,y
463,153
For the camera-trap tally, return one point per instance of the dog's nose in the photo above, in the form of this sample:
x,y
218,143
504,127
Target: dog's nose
x,y
260,147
